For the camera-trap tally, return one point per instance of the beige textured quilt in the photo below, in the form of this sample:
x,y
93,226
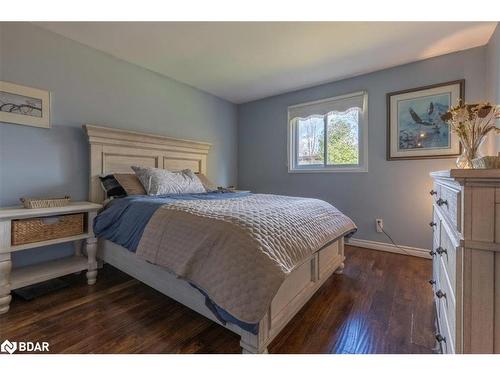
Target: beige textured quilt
x,y
240,250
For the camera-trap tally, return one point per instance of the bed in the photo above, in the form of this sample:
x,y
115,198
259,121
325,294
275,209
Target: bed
x,y
115,151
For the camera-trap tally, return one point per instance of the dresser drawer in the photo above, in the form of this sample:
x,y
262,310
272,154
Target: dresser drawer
x,y
445,296
448,294
447,252
447,343
449,202
437,324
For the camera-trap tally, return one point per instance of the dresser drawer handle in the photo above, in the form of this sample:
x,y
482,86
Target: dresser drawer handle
x,y
440,338
441,251
433,224
440,294
432,282
433,192
440,202
432,253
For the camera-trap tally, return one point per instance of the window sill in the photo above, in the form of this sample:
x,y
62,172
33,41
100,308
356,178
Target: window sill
x,y
329,170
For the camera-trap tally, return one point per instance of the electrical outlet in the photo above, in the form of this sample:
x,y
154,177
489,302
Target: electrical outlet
x,y
379,224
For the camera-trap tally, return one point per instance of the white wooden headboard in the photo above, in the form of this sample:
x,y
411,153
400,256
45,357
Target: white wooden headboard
x,y
116,150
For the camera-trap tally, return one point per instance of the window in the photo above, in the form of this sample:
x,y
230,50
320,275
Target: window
x,y
329,135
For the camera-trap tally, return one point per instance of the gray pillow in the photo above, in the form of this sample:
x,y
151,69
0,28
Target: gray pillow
x,y
160,181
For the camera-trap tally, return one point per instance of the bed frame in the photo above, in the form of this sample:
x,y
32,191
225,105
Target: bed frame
x,y
114,150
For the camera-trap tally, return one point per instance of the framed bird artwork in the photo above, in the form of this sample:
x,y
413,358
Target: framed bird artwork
x,y
415,129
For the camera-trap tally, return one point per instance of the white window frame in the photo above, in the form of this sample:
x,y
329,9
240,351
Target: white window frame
x,y
362,166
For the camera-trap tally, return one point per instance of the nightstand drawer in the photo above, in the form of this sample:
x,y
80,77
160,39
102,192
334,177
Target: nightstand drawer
x,y
39,229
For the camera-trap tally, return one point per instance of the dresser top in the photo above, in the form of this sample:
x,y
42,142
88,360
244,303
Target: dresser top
x,y
468,173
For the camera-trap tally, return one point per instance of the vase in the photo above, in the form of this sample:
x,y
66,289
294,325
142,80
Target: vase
x,y
469,152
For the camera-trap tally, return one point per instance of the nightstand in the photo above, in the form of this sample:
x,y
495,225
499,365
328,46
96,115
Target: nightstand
x,y
11,217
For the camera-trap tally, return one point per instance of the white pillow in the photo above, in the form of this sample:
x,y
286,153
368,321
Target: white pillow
x,y
161,181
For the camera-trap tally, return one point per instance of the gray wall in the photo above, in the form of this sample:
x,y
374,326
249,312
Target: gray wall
x,y
396,191
493,78
89,86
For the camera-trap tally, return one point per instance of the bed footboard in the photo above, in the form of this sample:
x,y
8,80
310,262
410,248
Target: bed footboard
x,y
297,289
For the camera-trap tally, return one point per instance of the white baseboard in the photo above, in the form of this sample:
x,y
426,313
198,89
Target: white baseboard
x,y
389,247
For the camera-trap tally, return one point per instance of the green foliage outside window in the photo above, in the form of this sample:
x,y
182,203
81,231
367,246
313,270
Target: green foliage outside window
x,y
342,140
342,143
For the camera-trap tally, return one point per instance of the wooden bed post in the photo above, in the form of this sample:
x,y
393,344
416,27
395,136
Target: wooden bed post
x,y
256,343
340,270
249,345
91,249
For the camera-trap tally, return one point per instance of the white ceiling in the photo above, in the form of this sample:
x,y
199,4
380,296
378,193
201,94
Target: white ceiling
x,y
244,61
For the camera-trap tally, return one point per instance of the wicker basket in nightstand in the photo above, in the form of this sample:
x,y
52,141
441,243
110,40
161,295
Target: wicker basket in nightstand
x,y
46,228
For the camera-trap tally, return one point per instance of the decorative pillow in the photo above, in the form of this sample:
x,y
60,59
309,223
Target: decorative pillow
x,y
207,184
130,183
160,181
112,187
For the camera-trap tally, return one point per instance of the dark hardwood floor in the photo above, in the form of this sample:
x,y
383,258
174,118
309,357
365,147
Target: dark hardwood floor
x,y
381,304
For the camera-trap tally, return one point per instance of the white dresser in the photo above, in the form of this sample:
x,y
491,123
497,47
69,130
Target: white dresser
x,y
466,259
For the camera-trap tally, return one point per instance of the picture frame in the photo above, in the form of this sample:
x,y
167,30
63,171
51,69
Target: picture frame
x,y
24,105
414,126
